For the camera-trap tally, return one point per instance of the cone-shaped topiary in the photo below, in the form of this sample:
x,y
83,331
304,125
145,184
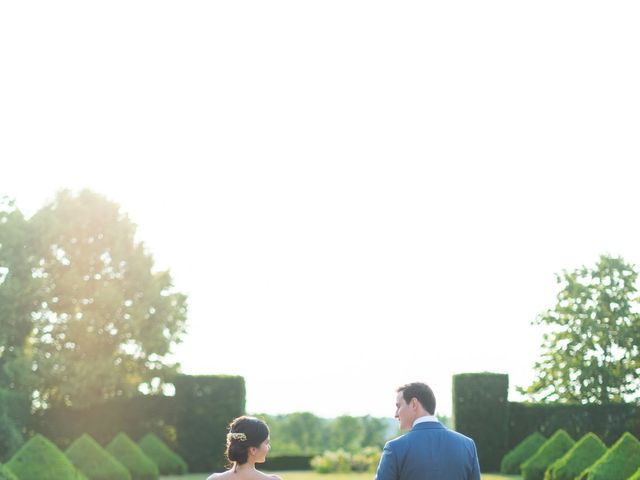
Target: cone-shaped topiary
x,y
522,452
581,456
6,474
635,476
39,459
554,448
168,462
621,461
131,456
94,461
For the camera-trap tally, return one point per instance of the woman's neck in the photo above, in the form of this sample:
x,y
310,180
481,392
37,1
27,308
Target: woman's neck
x,y
245,467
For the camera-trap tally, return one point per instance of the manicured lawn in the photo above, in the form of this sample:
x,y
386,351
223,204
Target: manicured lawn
x,y
334,476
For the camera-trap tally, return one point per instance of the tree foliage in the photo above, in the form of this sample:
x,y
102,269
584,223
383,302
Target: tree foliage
x,y
107,321
19,297
591,352
303,433
84,316
346,432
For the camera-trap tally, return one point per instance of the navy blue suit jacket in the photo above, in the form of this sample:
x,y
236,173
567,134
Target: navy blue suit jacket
x,y
429,452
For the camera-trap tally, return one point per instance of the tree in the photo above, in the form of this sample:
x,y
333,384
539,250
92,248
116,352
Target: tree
x,y
346,432
106,322
592,351
375,431
305,429
19,297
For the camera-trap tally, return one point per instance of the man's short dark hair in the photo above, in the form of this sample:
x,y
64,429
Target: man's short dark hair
x,y
422,392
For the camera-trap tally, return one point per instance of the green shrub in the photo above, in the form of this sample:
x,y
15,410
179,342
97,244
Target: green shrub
x,y
168,462
511,462
94,461
581,456
367,460
619,463
554,448
332,462
341,461
6,474
39,459
131,456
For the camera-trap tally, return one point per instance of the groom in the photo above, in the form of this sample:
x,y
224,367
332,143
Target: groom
x,y
429,451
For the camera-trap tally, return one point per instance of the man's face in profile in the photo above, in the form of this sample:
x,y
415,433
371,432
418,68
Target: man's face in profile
x,y
404,413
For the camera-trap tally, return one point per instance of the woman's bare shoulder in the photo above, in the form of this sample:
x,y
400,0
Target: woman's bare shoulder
x,y
219,476
264,476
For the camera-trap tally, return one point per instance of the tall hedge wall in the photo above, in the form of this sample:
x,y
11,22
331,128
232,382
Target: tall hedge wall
x,y
480,411
204,407
608,422
135,416
194,421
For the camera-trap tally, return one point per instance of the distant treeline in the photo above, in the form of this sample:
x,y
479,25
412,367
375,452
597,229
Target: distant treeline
x,y
303,433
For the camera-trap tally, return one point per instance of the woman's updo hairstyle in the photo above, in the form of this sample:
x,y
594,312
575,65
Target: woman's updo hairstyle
x,y
244,432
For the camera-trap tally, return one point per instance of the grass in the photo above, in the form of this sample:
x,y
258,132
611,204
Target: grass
x,y
332,476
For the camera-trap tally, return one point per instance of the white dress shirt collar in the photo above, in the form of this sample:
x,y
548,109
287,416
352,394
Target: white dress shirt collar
x,y
426,418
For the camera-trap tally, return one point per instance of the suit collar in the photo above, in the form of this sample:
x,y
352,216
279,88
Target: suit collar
x,y
428,426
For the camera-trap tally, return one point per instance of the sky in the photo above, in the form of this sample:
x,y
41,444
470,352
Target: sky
x,y
353,194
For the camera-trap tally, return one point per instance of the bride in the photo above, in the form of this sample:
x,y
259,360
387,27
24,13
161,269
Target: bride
x,y
247,444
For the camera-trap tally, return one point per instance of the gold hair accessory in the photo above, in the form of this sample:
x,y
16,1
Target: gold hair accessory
x,y
237,436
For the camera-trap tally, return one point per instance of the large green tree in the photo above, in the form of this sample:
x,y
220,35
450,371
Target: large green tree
x,y
107,321
19,298
591,351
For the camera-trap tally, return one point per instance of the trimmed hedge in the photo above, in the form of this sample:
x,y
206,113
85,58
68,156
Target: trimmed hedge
x,y
133,458
554,448
10,437
168,461
193,422
134,416
511,462
581,456
608,421
205,405
39,459
620,462
635,476
480,410
287,462
16,406
94,461
6,474
15,409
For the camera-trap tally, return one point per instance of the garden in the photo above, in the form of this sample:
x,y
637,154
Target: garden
x,y
86,393
307,475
